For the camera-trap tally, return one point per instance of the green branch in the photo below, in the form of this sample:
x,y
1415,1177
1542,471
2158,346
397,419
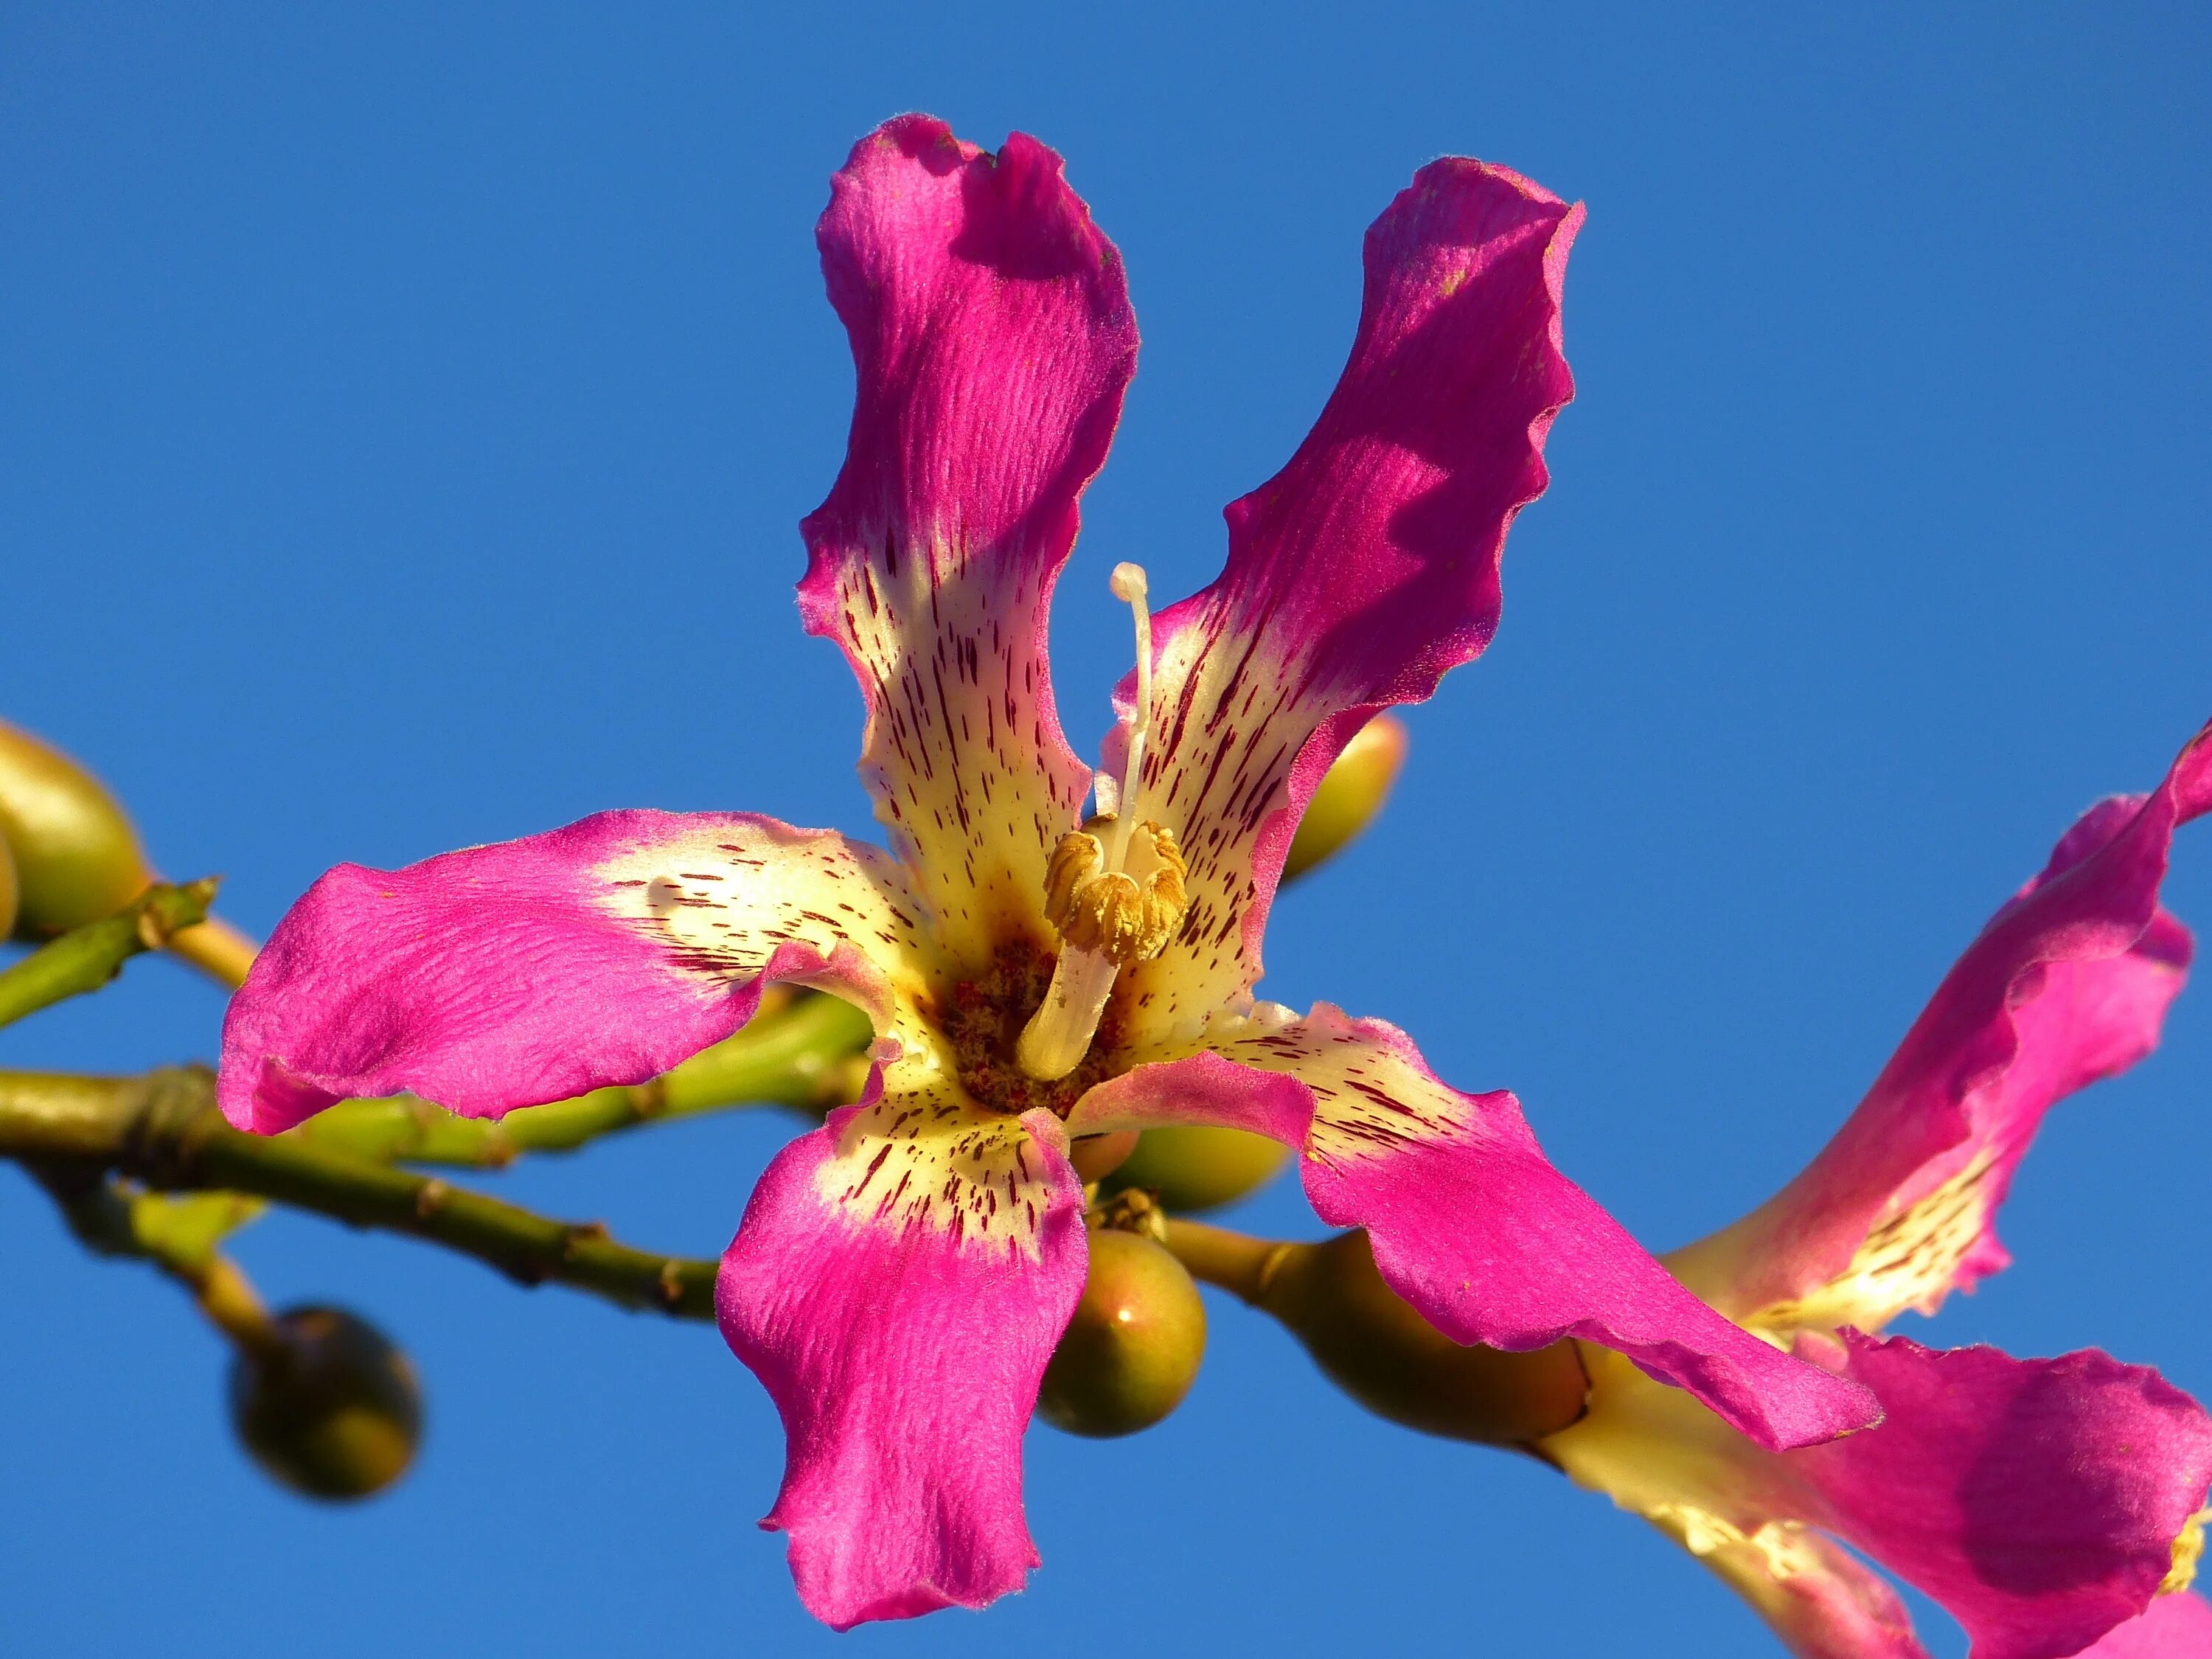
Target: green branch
x,y
808,1054
164,1129
85,958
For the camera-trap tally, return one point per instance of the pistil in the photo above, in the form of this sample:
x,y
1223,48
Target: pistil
x,y
1114,889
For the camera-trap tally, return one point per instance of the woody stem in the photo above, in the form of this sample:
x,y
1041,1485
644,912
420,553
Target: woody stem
x,y
164,1129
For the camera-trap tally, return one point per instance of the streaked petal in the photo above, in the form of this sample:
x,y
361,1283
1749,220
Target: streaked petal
x,y
1469,1222
2175,1627
2036,1500
532,970
992,341
2068,983
1365,568
1820,1600
897,1286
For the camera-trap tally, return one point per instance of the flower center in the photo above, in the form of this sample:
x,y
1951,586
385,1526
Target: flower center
x,y
1114,889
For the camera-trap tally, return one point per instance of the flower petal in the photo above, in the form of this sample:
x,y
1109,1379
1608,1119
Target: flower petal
x,y
1822,1601
2175,1627
992,339
1365,568
2037,1500
897,1286
528,971
1470,1222
2067,984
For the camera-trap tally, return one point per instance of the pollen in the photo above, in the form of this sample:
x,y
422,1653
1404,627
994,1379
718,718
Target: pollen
x,y
1125,916
2188,1550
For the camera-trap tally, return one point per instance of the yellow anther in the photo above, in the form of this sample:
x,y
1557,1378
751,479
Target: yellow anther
x,y
1075,862
1116,896
2188,1550
1124,915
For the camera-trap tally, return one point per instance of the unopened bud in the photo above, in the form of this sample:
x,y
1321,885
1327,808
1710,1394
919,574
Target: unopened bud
x,y
1096,1157
77,857
330,1407
1131,1353
1199,1167
1382,1353
1352,793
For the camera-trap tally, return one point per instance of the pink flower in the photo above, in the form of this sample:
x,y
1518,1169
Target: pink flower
x,y
901,1276
2044,1502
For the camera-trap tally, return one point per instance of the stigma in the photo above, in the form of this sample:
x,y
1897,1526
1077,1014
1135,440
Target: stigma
x,y
1114,889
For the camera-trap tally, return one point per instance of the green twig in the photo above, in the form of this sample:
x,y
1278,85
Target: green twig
x,y
805,1054
85,958
181,1235
164,1129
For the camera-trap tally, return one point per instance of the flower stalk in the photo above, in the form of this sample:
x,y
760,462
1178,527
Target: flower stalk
x,y
85,958
164,1129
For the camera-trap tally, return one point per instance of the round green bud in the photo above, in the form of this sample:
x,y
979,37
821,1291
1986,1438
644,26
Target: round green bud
x,y
330,1409
1378,1350
1352,793
78,857
1197,1167
1131,1353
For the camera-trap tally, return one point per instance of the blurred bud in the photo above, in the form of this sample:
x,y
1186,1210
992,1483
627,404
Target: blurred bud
x,y
1382,1353
1134,1347
7,890
330,1408
77,857
1199,1167
1097,1157
1352,793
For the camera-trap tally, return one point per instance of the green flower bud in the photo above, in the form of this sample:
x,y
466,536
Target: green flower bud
x,y
1352,793
1382,1353
1131,1353
78,857
1199,1167
330,1408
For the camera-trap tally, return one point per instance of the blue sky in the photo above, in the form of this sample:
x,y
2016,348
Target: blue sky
x,y
408,410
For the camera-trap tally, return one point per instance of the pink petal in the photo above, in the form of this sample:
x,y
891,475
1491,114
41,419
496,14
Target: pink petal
x,y
992,339
1365,568
2175,1627
532,970
1470,1223
1827,1605
2068,983
900,1312
2038,1500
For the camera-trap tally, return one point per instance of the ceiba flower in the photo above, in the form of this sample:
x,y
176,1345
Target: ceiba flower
x,y
2044,1503
901,1275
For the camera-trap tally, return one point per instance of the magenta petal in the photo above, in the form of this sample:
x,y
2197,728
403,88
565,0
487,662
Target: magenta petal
x,y
1366,567
992,341
1470,1222
532,970
2038,1499
901,1322
1832,1605
2068,983
2174,1627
